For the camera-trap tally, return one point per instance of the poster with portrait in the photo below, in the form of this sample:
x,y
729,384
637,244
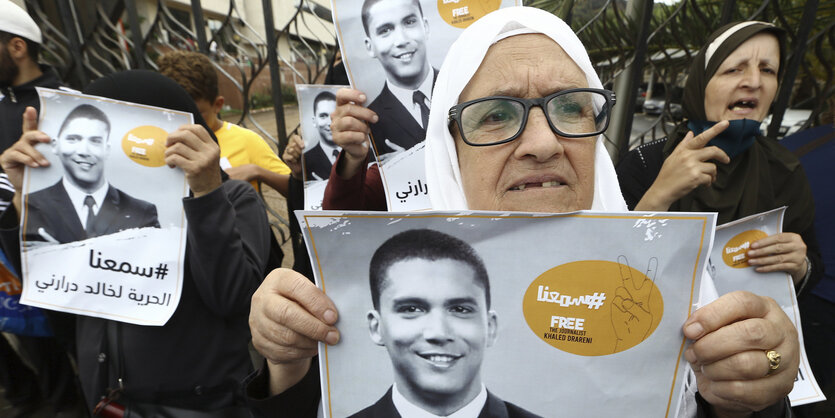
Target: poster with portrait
x,y
316,103
433,305
14,317
731,271
392,51
103,231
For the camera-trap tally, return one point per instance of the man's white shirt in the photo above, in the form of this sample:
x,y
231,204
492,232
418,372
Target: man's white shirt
x,y
405,96
77,198
407,409
329,150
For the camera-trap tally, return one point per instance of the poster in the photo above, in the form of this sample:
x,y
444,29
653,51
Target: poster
x,y
731,271
14,317
316,104
551,316
392,50
103,231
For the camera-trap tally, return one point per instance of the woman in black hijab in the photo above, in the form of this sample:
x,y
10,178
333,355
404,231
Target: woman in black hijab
x,y
193,364
728,167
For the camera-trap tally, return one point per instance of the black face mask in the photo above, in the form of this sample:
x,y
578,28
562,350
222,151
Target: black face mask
x,y
735,139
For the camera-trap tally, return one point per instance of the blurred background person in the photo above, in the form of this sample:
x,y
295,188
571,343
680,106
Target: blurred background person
x,y
244,154
192,365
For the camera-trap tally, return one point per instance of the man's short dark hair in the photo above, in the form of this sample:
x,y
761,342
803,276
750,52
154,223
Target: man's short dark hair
x,y
32,48
85,111
325,95
425,244
366,6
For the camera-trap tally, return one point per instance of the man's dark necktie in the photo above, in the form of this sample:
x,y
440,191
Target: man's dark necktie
x,y
335,153
420,98
89,202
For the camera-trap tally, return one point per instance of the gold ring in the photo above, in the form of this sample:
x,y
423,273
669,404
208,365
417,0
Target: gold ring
x,y
773,361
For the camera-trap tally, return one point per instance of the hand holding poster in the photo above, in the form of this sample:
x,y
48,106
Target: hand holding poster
x,y
731,271
392,51
94,240
443,312
316,104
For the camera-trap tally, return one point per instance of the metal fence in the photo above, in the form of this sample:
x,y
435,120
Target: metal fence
x,y
637,46
641,46
85,39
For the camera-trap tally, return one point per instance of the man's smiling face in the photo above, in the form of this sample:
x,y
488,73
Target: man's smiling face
x,y
397,38
83,146
434,321
322,120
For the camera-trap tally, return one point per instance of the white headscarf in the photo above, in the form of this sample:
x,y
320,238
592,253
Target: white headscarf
x,y
462,61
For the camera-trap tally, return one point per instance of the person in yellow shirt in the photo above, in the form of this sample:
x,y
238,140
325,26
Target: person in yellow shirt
x,y
244,155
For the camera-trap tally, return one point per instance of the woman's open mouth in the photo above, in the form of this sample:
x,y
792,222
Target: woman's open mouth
x,y
744,106
544,184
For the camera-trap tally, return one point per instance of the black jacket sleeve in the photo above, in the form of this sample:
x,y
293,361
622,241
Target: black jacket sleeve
x,y
639,169
228,239
302,399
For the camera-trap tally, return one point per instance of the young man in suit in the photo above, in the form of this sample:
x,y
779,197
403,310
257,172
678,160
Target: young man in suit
x,y
396,33
319,159
431,298
83,204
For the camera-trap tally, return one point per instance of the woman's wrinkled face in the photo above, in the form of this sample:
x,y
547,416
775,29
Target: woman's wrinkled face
x,y
539,171
746,82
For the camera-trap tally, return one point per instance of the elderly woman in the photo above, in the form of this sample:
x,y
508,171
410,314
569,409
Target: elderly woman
x,y
506,134
739,172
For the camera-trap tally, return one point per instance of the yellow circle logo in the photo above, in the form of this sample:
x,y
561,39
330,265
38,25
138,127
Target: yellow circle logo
x,y
735,253
462,13
594,307
145,145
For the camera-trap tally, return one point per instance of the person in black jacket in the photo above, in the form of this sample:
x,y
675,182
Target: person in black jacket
x,y
54,379
196,360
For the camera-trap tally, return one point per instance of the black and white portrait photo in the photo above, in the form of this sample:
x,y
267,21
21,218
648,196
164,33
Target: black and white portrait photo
x,y
431,311
316,103
392,51
83,204
103,224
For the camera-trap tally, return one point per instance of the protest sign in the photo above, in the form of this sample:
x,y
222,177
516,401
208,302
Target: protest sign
x,y
316,103
103,231
731,271
558,309
14,317
392,50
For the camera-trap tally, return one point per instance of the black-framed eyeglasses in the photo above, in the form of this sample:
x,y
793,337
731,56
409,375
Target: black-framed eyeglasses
x,y
495,120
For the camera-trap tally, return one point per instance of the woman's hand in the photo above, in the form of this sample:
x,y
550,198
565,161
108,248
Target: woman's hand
x,y
22,153
688,167
780,252
293,156
193,150
349,124
730,337
288,317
